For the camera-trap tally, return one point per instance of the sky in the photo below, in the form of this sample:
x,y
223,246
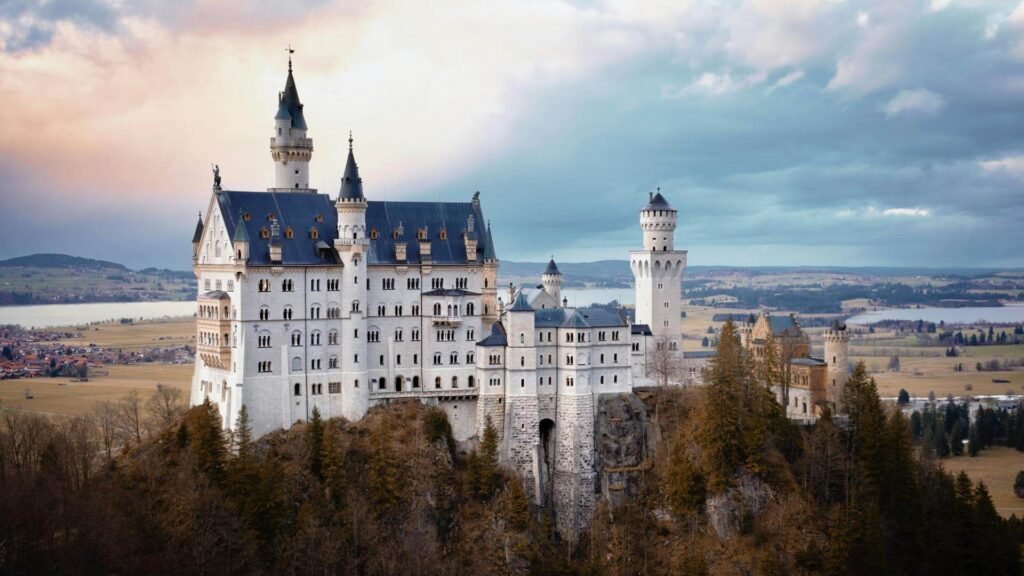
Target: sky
x,y
786,132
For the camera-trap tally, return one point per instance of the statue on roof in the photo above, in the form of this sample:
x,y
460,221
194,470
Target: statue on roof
x,y
216,176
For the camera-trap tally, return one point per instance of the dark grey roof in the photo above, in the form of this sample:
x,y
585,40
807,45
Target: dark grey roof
x,y
807,362
497,336
198,235
489,253
783,325
384,217
216,295
658,202
288,105
351,183
640,329
241,235
578,318
450,292
520,304
575,320
700,354
552,268
300,211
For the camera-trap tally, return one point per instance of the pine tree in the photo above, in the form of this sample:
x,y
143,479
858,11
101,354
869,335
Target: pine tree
x,y
243,436
684,484
973,441
315,444
721,433
482,474
206,440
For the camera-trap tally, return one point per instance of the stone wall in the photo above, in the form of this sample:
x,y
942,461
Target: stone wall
x,y
574,475
493,407
522,439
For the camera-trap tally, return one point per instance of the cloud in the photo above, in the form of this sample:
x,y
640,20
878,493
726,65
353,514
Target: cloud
x,y
917,101
791,78
899,212
715,84
1013,165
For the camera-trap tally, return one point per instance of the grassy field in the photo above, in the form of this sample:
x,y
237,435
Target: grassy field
x,y
64,396
138,336
996,467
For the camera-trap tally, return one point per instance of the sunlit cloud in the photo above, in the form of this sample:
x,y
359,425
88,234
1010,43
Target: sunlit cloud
x,y
917,101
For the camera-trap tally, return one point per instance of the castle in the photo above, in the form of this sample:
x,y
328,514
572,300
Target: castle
x,y
342,303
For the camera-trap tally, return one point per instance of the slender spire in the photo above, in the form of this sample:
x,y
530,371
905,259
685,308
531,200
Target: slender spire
x,y
351,183
289,107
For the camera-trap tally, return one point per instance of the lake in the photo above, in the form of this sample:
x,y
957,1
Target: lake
x,y
582,297
970,315
51,315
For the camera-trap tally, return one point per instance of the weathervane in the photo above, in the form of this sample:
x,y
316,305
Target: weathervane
x,y
290,52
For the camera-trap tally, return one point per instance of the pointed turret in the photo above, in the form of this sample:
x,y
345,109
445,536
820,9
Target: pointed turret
x,y
241,239
289,147
552,280
351,183
197,238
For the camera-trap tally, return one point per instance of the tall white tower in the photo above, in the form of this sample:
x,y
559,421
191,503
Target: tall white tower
x,y
289,146
551,279
352,248
658,273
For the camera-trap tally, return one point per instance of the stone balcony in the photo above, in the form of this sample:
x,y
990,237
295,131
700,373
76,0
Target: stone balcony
x,y
446,320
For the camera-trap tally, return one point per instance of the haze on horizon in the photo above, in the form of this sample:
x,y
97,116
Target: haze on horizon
x,y
787,132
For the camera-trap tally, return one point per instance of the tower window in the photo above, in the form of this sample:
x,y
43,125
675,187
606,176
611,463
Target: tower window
x,y
264,233
373,234
443,235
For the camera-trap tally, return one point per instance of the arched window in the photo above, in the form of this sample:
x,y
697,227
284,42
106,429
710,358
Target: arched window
x,y
469,309
471,381
298,389
415,381
382,383
296,364
437,309
437,382
455,381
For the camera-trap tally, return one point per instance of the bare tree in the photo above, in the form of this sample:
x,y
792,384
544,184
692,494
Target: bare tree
x,y
664,363
129,418
106,416
165,406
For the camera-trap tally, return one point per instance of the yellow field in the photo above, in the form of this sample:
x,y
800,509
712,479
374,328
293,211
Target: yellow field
x,y
997,467
64,396
698,318
138,336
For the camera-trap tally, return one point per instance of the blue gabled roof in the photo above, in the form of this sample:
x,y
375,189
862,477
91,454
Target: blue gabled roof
x,y
520,304
299,211
578,318
497,336
782,325
452,217
658,202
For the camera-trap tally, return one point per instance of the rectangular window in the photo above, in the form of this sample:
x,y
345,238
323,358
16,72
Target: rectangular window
x,y
334,387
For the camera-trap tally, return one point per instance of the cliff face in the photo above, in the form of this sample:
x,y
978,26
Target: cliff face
x,y
626,438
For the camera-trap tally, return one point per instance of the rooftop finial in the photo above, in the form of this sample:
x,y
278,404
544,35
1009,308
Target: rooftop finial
x,y
290,52
349,140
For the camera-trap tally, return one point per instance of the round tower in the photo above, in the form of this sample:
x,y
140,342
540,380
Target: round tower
x,y
289,147
837,359
551,279
658,221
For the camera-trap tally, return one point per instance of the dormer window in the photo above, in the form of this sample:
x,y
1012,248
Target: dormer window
x,y
373,234
443,235
246,216
289,233
421,234
314,233
394,235
270,217
264,233
318,218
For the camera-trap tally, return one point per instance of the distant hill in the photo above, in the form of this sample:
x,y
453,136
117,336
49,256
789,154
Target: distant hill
x,y
60,261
